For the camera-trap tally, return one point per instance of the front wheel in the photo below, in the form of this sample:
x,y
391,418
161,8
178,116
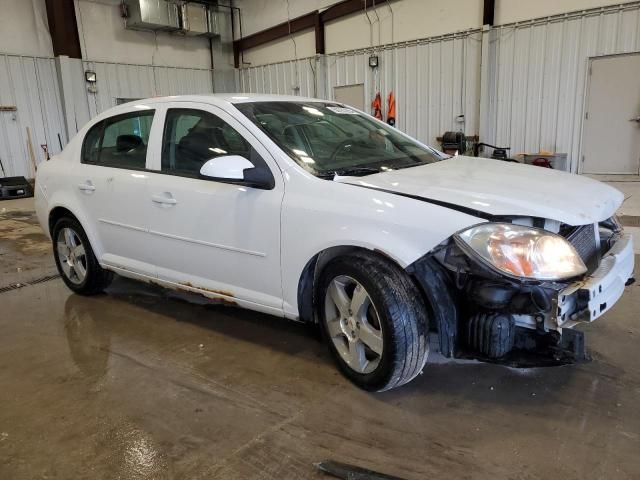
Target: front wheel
x,y
75,259
374,319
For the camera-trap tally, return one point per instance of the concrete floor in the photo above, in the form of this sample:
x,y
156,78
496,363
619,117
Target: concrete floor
x,y
138,384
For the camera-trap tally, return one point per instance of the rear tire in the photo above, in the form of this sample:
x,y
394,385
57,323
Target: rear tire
x,y
75,259
374,320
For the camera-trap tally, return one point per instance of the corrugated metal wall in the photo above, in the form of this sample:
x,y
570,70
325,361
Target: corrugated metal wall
x,y
31,85
434,81
141,81
283,78
536,74
540,72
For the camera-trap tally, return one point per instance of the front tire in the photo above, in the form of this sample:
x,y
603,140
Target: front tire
x,y
75,259
374,319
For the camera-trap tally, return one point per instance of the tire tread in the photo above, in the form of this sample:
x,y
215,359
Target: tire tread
x,y
405,311
97,277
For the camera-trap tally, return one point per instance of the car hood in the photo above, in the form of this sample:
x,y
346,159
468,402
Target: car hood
x,y
498,188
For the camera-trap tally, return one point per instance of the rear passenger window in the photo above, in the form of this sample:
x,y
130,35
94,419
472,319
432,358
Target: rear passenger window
x,y
91,145
119,141
191,137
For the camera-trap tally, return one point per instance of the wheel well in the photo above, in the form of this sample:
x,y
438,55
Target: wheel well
x,y
429,277
441,300
56,214
312,271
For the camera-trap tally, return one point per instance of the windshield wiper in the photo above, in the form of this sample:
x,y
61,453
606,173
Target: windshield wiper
x,y
348,172
351,171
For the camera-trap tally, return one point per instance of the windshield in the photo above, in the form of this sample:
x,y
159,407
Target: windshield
x,y
329,138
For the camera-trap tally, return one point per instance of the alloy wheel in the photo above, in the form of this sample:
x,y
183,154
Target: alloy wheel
x,y
353,324
72,255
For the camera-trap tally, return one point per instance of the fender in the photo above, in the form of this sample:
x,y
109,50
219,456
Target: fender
x,y
403,229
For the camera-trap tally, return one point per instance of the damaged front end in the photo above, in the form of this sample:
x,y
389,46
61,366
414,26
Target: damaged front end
x,y
499,308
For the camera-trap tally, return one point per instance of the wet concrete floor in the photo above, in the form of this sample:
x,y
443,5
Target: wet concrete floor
x,y
141,384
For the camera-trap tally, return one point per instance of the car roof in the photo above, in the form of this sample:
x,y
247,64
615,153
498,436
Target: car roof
x,y
217,98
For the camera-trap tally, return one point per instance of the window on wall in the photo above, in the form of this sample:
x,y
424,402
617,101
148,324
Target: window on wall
x,y
191,137
119,141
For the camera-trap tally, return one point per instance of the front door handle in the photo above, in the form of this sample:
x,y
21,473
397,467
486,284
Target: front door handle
x,y
86,187
165,199
637,119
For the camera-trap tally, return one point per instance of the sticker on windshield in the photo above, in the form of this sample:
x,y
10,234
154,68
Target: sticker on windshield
x,y
343,110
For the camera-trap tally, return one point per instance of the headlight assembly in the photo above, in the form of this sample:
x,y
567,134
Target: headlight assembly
x,y
522,252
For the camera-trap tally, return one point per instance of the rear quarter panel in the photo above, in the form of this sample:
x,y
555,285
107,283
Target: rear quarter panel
x,y
56,182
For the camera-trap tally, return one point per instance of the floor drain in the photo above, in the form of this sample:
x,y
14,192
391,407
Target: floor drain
x,y
13,286
43,279
35,281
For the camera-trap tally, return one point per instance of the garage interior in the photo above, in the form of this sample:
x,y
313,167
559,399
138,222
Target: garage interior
x,y
143,382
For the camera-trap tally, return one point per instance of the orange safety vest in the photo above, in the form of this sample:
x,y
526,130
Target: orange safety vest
x,y
391,116
377,106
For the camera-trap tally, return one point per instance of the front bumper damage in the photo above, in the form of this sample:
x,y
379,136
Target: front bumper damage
x,y
488,316
590,298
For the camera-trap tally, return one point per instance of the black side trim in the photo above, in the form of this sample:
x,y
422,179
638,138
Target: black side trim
x,y
469,211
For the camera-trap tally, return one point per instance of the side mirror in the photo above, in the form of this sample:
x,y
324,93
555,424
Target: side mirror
x,y
237,170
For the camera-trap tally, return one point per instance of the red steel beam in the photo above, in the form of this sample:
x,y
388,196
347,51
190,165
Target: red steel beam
x,y
315,20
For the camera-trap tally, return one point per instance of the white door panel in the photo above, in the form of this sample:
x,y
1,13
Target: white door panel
x,y
111,185
217,237
611,137
116,200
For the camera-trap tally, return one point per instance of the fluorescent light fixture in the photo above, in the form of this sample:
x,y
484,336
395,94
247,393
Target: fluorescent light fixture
x,y
218,150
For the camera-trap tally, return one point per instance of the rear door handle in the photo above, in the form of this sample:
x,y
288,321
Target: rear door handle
x,y
164,199
86,186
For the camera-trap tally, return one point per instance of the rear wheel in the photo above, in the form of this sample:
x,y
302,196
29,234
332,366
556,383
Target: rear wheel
x,y
374,319
75,259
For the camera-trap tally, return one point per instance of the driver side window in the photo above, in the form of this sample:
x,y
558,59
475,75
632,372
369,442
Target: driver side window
x,y
192,137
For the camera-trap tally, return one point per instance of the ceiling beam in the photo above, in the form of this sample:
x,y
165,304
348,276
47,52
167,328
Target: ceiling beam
x,y
315,20
284,29
347,7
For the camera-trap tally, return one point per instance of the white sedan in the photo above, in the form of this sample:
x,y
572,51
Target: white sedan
x,y
315,211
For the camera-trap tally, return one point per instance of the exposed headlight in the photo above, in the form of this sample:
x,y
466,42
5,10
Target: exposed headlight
x,y
523,252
